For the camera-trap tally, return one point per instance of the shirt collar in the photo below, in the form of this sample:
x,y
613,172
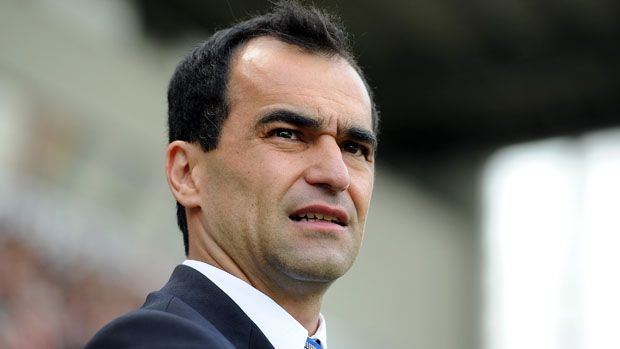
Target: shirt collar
x,y
280,328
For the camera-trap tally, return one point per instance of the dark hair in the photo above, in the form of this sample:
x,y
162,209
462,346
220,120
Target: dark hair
x,y
197,103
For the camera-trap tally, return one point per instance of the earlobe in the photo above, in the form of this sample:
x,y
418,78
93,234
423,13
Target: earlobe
x,y
180,163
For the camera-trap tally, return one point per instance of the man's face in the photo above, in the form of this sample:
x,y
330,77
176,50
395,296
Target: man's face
x,y
286,192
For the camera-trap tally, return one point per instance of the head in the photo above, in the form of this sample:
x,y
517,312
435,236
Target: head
x,y
260,102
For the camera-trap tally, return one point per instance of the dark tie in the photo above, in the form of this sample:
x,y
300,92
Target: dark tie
x,y
312,344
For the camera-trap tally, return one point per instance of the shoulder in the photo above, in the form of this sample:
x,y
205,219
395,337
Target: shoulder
x,y
147,328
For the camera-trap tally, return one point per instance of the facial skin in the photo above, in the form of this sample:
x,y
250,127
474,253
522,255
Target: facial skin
x,y
298,140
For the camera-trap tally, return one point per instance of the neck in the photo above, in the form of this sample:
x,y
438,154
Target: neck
x,y
301,299
306,314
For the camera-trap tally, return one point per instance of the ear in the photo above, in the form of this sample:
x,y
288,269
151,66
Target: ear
x,y
181,161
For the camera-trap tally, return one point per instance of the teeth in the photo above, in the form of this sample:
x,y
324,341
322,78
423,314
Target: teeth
x,y
324,217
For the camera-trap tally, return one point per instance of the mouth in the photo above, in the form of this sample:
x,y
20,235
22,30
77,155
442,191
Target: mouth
x,y
320,214
316,217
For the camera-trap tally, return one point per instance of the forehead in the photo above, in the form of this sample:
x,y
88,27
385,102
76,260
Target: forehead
x,y
267,73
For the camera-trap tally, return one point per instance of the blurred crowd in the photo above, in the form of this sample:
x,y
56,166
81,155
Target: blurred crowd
x,y
48,304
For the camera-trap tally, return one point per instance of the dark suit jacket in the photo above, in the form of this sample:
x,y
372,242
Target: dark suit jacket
x,y
189,312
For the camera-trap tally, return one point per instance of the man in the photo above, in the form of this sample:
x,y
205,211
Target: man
x,y
271,161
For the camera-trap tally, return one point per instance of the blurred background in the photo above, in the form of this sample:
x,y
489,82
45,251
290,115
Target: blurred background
x,y
495,219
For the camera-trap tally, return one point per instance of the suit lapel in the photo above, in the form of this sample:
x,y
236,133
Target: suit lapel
x,y
201,294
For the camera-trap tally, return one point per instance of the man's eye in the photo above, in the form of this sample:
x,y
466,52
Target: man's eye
x,y
286,133
355,149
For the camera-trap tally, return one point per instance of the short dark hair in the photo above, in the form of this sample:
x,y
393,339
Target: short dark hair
x,y
197,101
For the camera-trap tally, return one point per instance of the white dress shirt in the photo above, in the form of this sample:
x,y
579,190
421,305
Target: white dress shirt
x,y
280,328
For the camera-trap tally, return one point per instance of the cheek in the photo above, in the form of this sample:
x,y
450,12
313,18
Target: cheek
x,y
361,191
277,171
229,188
261,182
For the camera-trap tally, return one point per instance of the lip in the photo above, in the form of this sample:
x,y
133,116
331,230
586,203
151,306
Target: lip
x,y
341,214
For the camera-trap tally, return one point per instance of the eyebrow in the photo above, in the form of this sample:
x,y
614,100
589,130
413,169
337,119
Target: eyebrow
x,y
355,133
289,117
362,135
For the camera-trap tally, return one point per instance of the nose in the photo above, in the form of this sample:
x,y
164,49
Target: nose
x,y
327,166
